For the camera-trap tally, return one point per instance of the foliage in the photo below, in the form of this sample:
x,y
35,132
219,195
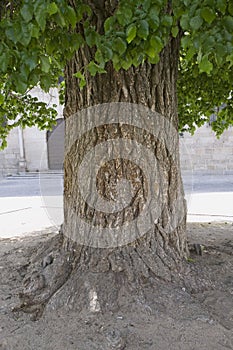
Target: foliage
x,y
38,37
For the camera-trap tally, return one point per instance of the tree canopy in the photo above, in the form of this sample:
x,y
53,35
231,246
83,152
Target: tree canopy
x,y
39,37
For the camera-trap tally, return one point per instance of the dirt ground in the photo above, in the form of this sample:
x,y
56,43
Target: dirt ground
x,y
177,319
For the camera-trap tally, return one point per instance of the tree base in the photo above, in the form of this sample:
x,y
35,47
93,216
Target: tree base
x,y
102,280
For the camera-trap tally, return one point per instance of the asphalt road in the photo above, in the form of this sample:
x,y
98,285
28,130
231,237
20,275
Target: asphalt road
x,y
32,185
52,184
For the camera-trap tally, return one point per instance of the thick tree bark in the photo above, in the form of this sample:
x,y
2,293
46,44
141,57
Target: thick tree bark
x,y
153,86
97,276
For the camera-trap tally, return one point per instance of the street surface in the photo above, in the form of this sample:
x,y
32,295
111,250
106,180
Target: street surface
x,y
34,202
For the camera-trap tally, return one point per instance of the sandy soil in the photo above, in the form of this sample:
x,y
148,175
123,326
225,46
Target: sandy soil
x,y
177,319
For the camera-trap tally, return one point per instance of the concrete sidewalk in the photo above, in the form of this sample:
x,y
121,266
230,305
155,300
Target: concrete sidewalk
x,y
210,207
21,215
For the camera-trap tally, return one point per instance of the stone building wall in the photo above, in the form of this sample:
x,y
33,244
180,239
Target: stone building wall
x,y
35,150
9,158
205,154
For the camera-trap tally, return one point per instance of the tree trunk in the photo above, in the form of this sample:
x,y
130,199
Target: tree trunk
x,y
109,259
93,269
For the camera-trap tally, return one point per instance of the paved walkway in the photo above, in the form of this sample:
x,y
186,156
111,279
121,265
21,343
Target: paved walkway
x,y
209,199
21,215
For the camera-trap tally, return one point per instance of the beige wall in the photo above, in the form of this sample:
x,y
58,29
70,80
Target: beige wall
x,y
35,149
9,158
204,153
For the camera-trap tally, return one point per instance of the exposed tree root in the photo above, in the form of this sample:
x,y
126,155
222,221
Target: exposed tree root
x,y
98,280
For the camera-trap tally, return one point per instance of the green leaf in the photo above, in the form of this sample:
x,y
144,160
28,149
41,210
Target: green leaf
x,y
228,23
146,5
126,64
27,12
155,59
14,33
82,80
196,22
167,21
230,8
95,68
82,84
190,53
227,36
45,82
143,29
35,31
34,77
30,61
108,24
208,14
2,99
91,37
26,34
24,72
45,64
139,13
220,49
79,75
115,59
76,40
196,42
60,19
156,43
41,20
4,61
185,41
71,16
83,9
99,56
124,16
117,66
20,86
41,14
205,65
221,5
175,31
119,45
120,34
185,21
52,8
178,12
151,52
209,43
106,53
154,17
131,33
51,46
